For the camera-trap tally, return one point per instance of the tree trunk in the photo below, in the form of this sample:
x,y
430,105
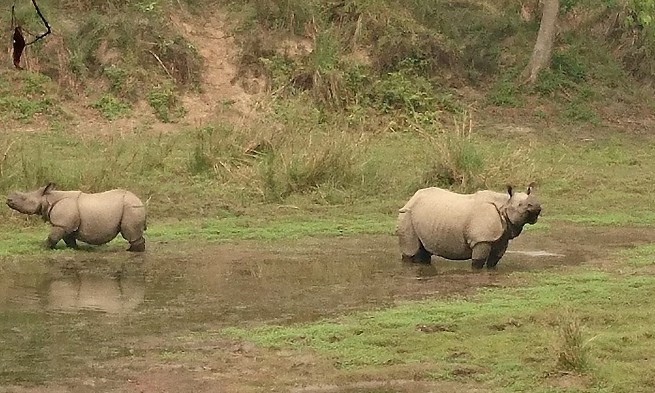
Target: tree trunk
x,y
543,48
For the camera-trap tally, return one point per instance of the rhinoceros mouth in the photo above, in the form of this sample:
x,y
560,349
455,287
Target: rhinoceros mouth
x,y
532,217
14,206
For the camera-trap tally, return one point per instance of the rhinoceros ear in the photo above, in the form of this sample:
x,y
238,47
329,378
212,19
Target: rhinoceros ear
x,y
48,188
531,187
509,190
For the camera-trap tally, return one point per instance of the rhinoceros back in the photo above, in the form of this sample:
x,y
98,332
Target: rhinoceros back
x,y
486,196
101,214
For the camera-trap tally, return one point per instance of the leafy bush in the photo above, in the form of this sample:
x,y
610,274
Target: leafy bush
x,y
398,90
179,58
504,93
569,66
291,15
122,83
110,107
163,100
635,36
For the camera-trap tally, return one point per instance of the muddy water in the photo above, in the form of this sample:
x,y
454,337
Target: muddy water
x,y
228,284
61,313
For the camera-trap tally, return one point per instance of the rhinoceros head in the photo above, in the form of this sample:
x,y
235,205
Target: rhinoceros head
x,y
523,207
29,202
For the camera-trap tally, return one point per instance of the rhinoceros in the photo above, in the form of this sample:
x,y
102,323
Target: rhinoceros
x,y
91,218
455,226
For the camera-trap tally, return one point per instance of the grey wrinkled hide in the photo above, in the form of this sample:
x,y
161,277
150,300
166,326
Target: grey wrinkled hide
x,y
91,218
455,226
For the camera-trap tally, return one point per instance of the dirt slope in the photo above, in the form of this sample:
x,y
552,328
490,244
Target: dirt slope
x,y
220,93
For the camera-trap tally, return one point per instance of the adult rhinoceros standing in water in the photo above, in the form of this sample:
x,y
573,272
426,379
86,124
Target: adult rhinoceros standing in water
x,y
464,226
91,218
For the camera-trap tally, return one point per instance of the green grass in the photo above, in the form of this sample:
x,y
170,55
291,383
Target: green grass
x,y
640,256
215,172
164,103
512,339
345,143
111,107
27,97
639,217
29,240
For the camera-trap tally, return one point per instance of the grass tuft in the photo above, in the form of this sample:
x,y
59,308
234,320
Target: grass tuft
x,y
573,353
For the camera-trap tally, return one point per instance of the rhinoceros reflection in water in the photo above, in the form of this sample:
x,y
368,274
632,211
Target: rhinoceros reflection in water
x,y
87,292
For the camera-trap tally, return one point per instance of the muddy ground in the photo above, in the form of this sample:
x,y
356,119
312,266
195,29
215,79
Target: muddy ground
x,y
106,320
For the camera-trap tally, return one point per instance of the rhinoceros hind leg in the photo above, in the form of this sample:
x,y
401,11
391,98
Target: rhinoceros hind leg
x,y
410,245
138,246
70,241
132,230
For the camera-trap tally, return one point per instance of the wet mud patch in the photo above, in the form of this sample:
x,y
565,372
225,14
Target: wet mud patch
x,y
571,245
284,281
121,320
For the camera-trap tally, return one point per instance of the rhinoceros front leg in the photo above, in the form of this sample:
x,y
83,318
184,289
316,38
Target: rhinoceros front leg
x,y
56,234
480,255
497,252
70,240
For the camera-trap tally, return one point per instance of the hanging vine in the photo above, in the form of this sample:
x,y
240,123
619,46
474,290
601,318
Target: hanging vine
x,y
18,38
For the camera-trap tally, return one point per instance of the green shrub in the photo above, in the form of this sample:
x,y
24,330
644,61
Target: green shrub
x,y
291,15
180,59
278,69
580,112
110,107
504,92
121,82
165,104
569,66
25,109
399,91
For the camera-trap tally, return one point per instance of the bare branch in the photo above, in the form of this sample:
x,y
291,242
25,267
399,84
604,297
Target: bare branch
x,y
45,23
161,63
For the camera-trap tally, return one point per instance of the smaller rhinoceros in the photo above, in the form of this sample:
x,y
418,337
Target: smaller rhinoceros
x,y
92,218
464,226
